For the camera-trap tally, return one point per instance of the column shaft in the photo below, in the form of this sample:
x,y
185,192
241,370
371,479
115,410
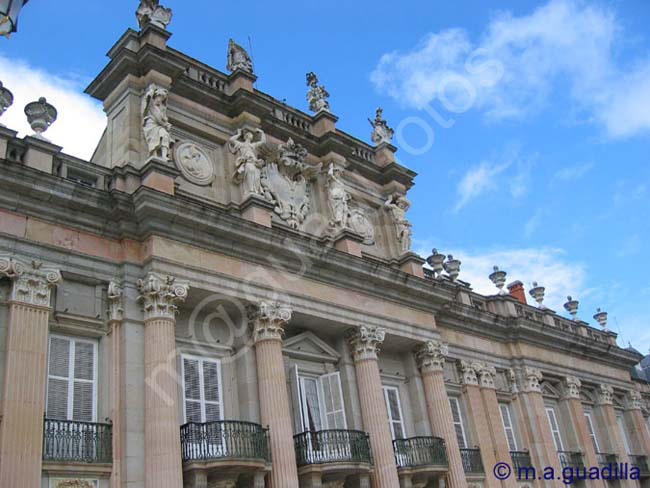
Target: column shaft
x,y
606,416
477,414
116,401
497,434
634,417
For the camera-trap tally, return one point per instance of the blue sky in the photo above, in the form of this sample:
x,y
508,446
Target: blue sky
x,y
528,122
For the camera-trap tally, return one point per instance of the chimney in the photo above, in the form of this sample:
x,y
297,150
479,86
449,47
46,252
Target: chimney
x,y
516,289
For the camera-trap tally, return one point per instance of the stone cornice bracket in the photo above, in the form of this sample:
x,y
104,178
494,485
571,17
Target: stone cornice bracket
x,y
633,400
160,296
532,380
115,296
486,375
31,283
468,371
571,388
605,395
431,355
364,341
268,320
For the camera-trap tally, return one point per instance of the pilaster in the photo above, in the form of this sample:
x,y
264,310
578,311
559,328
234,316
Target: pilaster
x,y
25,371
115,299
634,418
364,343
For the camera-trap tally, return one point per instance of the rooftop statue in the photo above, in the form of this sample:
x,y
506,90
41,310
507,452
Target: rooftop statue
x,y
249,164
380,130
155,124
238,58
316,95
149,12
398,205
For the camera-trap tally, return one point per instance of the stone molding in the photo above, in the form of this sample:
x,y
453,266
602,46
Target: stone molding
x,y
115,298
605,395
633,400
31,282
364,341
571,388
160,296
268,320
532,380
468,371
431,355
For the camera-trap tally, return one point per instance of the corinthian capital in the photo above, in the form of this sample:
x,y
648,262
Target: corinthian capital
x,y
365,341
486,374
115,302
468,371
532,380
269,320
605,395
633,400
431,355
31,283
571,386
160,296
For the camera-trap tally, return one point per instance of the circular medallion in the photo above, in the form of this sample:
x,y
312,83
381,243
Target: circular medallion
x,y
194,163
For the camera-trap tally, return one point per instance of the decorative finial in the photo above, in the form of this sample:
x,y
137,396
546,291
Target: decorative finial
x,y
452,267
436,261
6,99
381,133
571,306
238,58
498,277
40,116
149,12
316,95
537,292
601,318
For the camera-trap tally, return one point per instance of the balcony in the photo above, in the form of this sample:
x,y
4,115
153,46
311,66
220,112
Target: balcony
x,y
420,451
521,463
334,455
571,459
472,462
640,462
605,459
69,441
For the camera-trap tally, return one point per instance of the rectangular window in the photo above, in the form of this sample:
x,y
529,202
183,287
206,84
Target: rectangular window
x,y
72,379
394,409
506,421
621,428
458,422
202,389
321,402
555,429
592,431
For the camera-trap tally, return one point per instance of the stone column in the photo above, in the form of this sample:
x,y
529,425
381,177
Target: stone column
x,y
634,418
25,371
579,438
364,344
430,357
268,320
160,297
115,317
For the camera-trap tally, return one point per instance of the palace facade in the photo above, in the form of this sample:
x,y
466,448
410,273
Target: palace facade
x,y
225,296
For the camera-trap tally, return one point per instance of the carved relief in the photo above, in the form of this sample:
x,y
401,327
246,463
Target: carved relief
x,y
268,320
32,283
398,205
468,372
364,341
115,302
160,296
431,355
249,164
634,400
572,387
194,163
487,375
512,380
155,124
532,380
605,395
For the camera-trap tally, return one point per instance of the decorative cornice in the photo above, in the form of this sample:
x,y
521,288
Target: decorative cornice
x,y
633,400
364,341
431,355
532,380
115,296
468,370
31,283
160,296
605,395
571,388
268,320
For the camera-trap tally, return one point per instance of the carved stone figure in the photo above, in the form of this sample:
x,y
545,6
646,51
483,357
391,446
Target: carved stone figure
x,y
380,130
149,12
249,164
360,224
238,58
155,124
6,99
316,95
40,116
398,205
194,163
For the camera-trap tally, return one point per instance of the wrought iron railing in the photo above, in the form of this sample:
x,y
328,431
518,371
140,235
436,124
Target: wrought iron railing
x,y
640,462
224,439
72,441
571,459
472,462
420,451
520,462
332,446
605,459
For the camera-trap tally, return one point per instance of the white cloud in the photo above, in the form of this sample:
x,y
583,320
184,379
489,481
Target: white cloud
x,y
572,173
477,180
564,47
533,223
80,121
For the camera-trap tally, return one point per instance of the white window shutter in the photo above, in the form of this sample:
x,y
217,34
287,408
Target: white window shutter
x,y
458,423
212,390
394,410
192,389
555,429
84,382
592,432
508,429
333,401
58,378
202,389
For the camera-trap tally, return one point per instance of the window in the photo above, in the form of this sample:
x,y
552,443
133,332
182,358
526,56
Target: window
x,y
394,409
321,402
202,389
506,420
592,432
621,428
71,379
555,428
458,423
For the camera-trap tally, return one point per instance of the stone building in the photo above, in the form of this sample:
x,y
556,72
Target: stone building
x,y
225,296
